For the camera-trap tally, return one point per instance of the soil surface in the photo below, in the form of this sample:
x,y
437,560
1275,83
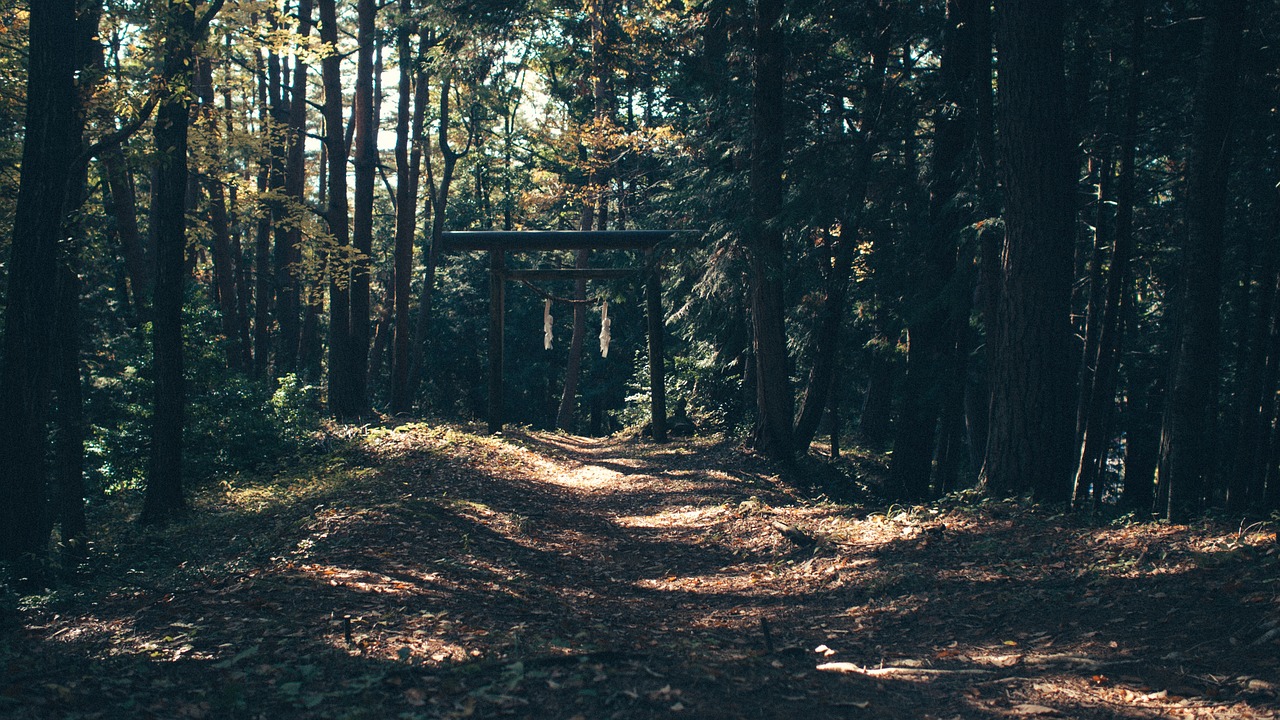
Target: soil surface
x,y
427,572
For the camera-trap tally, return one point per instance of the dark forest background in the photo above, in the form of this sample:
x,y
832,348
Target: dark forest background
x,y
1029,248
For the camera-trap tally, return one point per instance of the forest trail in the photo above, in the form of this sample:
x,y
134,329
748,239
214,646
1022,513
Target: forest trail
x,y
431,572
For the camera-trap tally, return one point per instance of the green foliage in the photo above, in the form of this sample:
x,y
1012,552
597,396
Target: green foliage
x,y
296,408
234,421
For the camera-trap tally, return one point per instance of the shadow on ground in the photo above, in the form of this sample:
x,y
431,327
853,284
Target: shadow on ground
x,y
440,574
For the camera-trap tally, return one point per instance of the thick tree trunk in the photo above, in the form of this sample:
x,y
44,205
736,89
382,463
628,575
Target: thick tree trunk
x,y
766,254
1033,374
164,499
51,142
365,166
1188,435
342,402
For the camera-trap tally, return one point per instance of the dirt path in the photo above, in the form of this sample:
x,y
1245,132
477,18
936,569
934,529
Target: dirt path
x,y
435,573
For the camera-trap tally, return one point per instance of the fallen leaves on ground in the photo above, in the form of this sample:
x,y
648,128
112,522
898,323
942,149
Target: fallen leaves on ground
x,y
428,572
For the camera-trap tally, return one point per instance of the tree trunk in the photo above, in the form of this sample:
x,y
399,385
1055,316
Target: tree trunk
x,y
164,499
310,344
765,251
365,166
954,433
1141,422
1033,375
276,121
1102,242
932,310
406,219
69,448
381,339
834,421
1256,394
122,204
1098,408
341,394
657,354
262,294
288,250
439,203
52,140
573,369
877,402
1188,435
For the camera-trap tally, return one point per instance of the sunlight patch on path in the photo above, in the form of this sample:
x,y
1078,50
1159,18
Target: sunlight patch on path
x,y
591,478
691,517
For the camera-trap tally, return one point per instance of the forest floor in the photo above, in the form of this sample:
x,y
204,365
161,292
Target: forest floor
x,y
429,572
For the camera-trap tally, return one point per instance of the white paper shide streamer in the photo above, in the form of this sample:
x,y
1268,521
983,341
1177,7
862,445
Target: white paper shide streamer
x,y
605,322
546,324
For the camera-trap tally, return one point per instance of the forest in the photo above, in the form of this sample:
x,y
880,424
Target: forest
x,y
977,277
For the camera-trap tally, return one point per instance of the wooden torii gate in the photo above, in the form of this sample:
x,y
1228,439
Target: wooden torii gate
x,y
499,242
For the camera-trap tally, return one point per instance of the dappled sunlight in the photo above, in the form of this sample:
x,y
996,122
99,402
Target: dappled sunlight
x,y
472,574
586,477
674,517
371,582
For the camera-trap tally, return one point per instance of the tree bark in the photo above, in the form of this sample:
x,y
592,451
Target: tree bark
x,y
365,164
341,394
1188,434
1031,429
877,403
164,498
275,114
262,287
774,435
69,448
52,140
406,217
439,203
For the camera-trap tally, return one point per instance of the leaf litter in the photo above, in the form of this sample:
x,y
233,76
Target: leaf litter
x,y
430,572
